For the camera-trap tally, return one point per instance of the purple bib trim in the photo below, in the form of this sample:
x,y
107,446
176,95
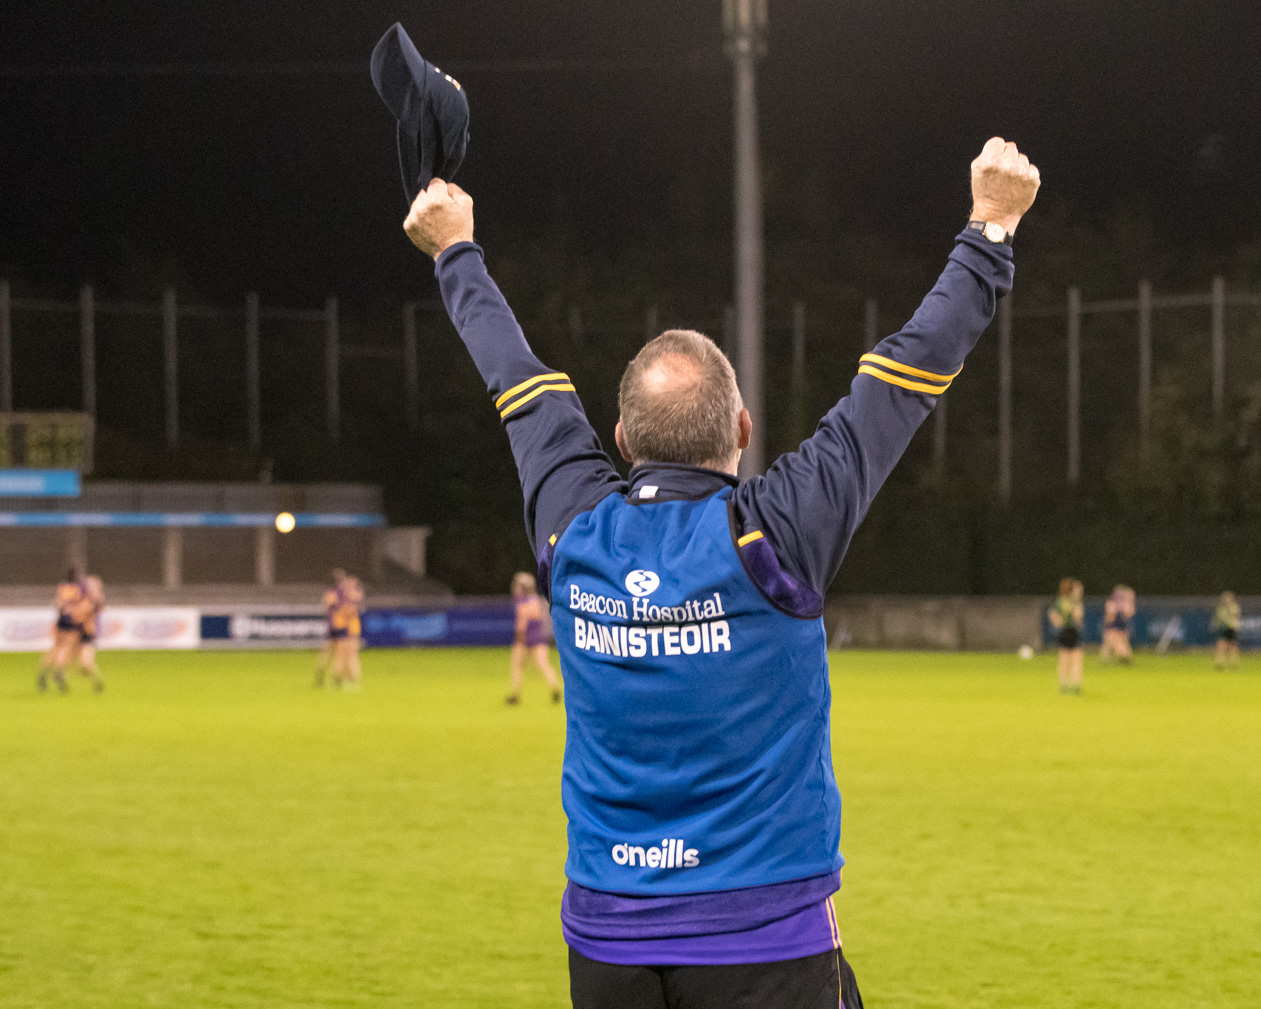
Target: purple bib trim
x,y
783,921
781,588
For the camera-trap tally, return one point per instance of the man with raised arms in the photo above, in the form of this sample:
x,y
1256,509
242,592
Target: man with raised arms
x,y
704,817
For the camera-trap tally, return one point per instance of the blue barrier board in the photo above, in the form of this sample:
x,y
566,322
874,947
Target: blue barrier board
x,y
486,624
39,483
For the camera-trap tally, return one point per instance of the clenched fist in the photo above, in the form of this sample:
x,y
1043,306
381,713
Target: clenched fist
x,y
1004,184
441,216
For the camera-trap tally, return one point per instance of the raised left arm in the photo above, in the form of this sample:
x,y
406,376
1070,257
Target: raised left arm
x,y
811,501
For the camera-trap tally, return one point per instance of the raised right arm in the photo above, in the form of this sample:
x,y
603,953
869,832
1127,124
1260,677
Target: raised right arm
x,y
563,468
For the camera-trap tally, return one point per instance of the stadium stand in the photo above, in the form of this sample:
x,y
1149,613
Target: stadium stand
x,y
202,542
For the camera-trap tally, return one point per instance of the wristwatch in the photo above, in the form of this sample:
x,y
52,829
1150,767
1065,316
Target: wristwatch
x,y
992,230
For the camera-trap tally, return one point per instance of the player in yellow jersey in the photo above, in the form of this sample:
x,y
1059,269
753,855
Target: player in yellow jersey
x,y
70,599
346,633
331,601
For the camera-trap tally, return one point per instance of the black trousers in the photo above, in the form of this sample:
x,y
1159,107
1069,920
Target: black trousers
x,y
824,981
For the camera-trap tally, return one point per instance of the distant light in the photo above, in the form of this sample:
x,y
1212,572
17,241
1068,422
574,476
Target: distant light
x,y
285,522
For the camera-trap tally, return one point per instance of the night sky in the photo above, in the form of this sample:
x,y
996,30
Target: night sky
x,y
609,120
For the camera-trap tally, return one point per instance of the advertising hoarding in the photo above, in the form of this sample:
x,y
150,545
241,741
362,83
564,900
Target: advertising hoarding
x,y
29,628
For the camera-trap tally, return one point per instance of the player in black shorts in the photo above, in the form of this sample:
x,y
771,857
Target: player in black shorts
x,y
72,605
89,627
1118,611
1226,620
1066,615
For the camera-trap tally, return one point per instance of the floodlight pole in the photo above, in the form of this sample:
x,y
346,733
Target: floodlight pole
x,y
745,23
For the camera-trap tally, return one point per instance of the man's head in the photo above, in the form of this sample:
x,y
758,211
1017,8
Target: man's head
x,y
679,403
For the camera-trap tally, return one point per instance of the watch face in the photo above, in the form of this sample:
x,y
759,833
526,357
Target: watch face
x,y
995,232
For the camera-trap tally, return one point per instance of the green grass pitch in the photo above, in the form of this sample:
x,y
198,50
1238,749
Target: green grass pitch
x,y
212,832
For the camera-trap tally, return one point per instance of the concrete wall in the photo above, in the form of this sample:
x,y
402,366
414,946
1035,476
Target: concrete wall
x,y
34,556
950,623
122,556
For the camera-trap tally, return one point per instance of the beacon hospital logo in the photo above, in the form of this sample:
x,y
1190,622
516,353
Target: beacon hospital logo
x,y
671,855
642,583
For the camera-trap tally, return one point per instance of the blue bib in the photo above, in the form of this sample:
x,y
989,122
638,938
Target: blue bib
x,y
698,753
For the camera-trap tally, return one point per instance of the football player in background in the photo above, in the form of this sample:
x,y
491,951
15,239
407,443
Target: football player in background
x,y
68,599
346,632
530,638
1118,611
89,611
1066,615
332,599
1226,620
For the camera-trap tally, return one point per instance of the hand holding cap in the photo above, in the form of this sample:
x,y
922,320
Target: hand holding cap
x,y
441,216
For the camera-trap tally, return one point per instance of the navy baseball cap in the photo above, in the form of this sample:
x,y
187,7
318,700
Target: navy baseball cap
x,y
430,106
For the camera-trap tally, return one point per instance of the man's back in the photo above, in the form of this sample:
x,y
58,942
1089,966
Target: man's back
x,y
698,755
715,762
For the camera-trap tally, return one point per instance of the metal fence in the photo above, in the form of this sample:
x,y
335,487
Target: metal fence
x,y
1049,325
250,316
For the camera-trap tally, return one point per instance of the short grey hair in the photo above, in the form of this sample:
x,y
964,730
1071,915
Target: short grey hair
x,y
686,412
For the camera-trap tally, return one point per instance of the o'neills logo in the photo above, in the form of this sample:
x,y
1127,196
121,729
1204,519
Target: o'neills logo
x,y
670,855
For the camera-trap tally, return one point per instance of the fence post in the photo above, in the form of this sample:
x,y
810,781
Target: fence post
x,y
798,433
1074,386
6,350
729,333
253,372
1004,400
265,556
332,371
77,548
172,558
170,355
1219,346
939,439
411,368
87,347
871,325
651,324
1144,363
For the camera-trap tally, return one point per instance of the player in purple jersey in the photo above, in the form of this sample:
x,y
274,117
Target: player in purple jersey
x,y
89,629
530,638
331,601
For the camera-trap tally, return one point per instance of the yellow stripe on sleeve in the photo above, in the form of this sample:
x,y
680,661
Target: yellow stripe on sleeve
x,y
565,387
554,376
748,538
905,383
906,369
